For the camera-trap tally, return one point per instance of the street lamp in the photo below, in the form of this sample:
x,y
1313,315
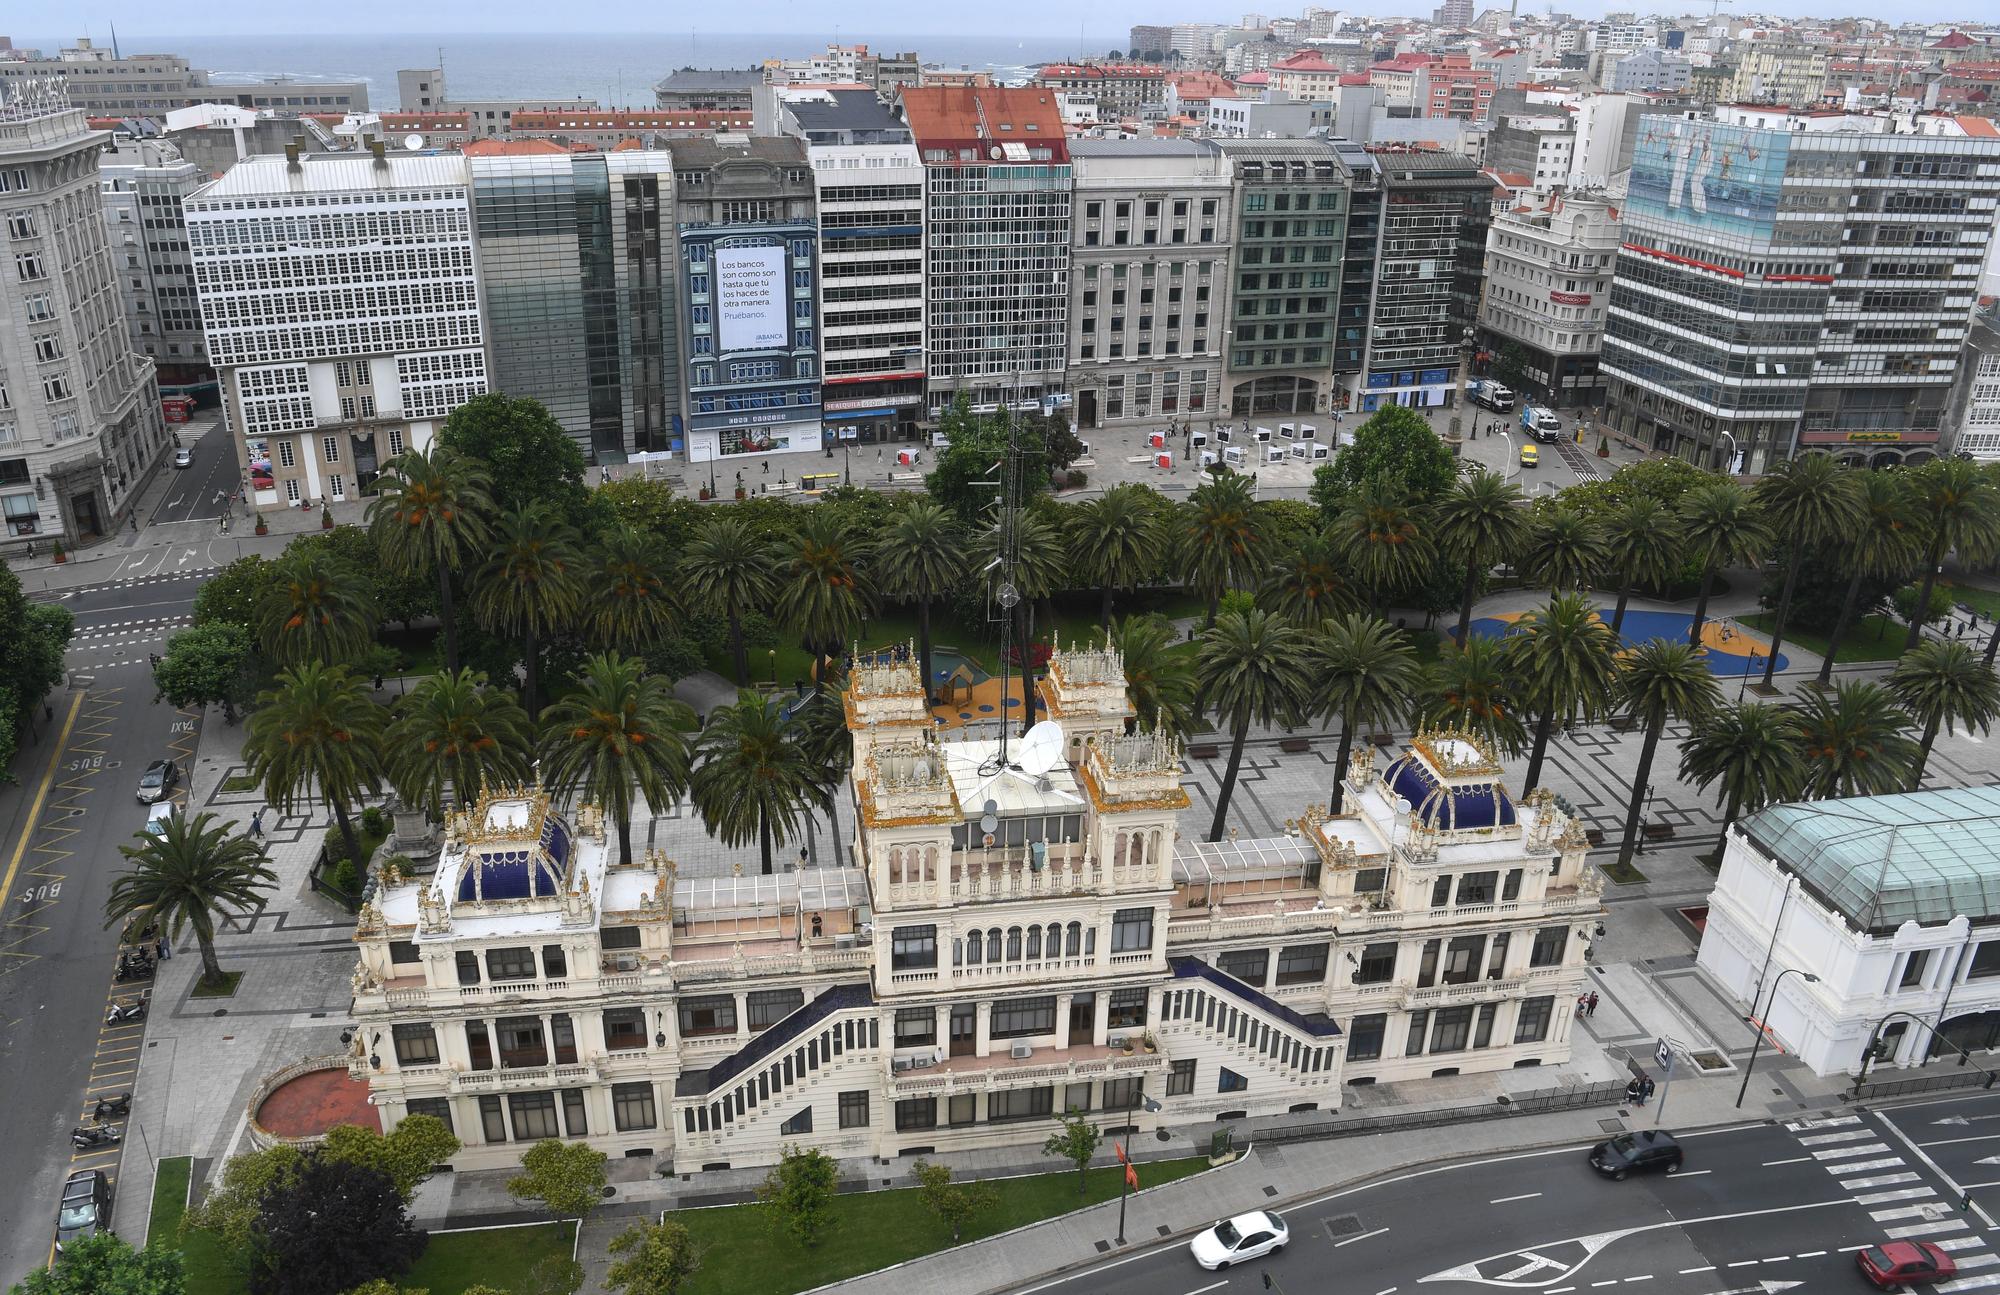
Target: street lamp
x,y
1762,1023
1729,464
1512,465
1151,1107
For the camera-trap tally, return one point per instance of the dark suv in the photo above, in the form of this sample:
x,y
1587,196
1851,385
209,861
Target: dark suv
x,y
1636,1153
86,1207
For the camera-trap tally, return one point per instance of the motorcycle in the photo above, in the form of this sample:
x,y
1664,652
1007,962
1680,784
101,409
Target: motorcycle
x,y
81,1137
126,1013
111,1108
135,970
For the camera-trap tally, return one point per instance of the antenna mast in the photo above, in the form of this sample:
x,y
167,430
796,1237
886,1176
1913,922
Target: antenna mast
x,y
1006,593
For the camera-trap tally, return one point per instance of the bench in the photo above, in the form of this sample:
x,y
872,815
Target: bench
x,y
1624,723
1204,752
1382,739
906,478
1295,745
1594,835
1659,831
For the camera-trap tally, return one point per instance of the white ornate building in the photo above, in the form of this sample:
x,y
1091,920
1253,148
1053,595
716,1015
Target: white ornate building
x,y
1021,936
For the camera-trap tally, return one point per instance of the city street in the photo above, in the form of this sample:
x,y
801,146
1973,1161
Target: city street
x,y
1757,1208
203,489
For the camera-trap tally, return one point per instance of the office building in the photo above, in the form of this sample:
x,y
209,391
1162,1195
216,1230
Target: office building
x,y
1150,279
423,90
1777,73
749,250
80,424
101,84
1453,13
1121,89
1291,230
342,312
1791,288
578,260
694,89
1267,117
1548,283
1151,39
1651,70
285,95
1534,151
1978,400
997,194
143,183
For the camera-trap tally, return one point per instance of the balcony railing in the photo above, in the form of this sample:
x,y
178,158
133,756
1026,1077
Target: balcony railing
x,y
935,1082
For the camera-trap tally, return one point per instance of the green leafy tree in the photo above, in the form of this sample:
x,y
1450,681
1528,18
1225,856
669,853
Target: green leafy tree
x,y
531,457
392,595
1395,445
1959,509
798,1193
631,606
922,557
1363,673
1811,501
454,730
556,1274
33,638
186,875
429,519
316,731
108,1265
1943,685
1856,741
1659,682
209,665
1904,600
648,506
1566,550
531,585
1642,547
727,568
1565,661
825,587
1749,751
1510,367
1479,521
1253,668
754,780
954,1204
1308,581
1383,537
1114,542
1159,673
1076,1139
231,595
328,1226
652,1259
619,727
408,1154
1473,688
229,1209
1724,528
567,1178
964,480
1219,539
316,608
1882,547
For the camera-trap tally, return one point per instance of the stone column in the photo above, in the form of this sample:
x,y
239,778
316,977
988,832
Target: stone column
x,y
742,1016
983,1030
943,1015
1062,1022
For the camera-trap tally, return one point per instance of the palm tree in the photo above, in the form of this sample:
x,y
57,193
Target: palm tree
x,y
1365,673
821,733
727,567
1960,510
825,589
631,604
1565,659
1856,741
451,728
1114,542
754,777
428,518
1159,673
1221,538
1942,684
922,556
1254,668
1811,501
1659,681
1752,750
1383,539
317,730
1473,688
1037,569
1881,545
1308,582
531,585
1480,522
1642,540
316,608
1567,550
185,876
1723,529
618,727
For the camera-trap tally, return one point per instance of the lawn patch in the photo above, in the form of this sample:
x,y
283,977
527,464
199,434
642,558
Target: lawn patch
x,y
239,782
227,989
170,1193
871,1230
208,1271
1623,873
1874,638
497,1257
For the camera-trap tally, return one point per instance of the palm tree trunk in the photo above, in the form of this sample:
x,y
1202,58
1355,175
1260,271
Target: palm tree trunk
x,y
534,672
625,837
764,839
1542,728
1104,615
1229,775
211,969
444,614
1214,602
1840,628
739,653
1784,610
1340,767
1923,755
1924,594
1701,606
1624,596
924,645
1637,806
1992,643
1465,604
1728,817
347,836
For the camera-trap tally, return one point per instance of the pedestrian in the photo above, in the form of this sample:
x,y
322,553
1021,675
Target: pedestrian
x,y
1593,1003
1632,1091
257,824
164,949
1645,1090
1582,1004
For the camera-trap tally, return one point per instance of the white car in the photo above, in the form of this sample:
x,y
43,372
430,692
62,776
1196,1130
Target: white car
x,y
184,457
1247,1236
157,817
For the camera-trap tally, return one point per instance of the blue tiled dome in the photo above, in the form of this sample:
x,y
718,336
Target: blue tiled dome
x,y
509,874
1446,808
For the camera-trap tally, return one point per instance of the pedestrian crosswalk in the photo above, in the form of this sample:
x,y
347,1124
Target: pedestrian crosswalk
x,y
1897,1197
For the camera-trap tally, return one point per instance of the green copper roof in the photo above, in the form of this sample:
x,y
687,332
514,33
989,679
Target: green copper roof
x,y
1921,856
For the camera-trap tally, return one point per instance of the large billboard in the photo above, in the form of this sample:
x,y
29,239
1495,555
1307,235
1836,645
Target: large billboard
x,y
752,307
1721,178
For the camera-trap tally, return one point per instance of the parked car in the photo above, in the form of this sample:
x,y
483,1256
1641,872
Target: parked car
x,y
1247,1236
86,1206
157,817
1631,1153
184,457
1904,1263
158,780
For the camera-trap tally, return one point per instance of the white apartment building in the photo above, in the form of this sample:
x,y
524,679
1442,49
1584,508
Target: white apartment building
x,y
1978,397
80,423
144,183
1548,281
1649,69
1016,939
342,312
1618,38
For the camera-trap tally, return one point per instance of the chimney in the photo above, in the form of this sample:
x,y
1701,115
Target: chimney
x,y
376,147
292,157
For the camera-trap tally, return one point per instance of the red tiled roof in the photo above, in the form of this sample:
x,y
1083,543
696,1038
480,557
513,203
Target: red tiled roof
x,y
1254,78
965,116
676,119
1953,40
1982,127
511,148
1304,61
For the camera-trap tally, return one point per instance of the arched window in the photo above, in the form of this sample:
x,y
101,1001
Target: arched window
x,y
1138,849
1055,943
930,863
993,944
1013,944
972,949
957,953
1034,942
1075,944
1118,851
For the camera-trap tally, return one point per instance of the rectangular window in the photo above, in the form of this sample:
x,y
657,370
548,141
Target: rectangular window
x,y
1364,1037
624,1029
1913,970
913,948
1453,1028
1228,1081
915,1027
1482,1033
562,1036
1461,959
521,1042
1127,1010
510,964
619,937
1121,1094
1180,1080
714,1014
1076,1097
555,965
961,1109
404,951
1552,941
1247,965
438,1108
916,1113
287,456
1441,892
468,967
534,1116
766,1007
1419,1023
854,1109
1985,960
1378,964
1131,930
1020,1104
1496,961
1302,964
1015,1018
1511,889
1427,966
330,447
492,1119
1477,887
632,1107
575,1123
1533,1023
416,1045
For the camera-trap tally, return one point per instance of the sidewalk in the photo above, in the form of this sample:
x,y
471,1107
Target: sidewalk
x,y
175,548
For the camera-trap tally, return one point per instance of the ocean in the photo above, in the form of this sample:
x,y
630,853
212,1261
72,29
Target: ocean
x,y
616,69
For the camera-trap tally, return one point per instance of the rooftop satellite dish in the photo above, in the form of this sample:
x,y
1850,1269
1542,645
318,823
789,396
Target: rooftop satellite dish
x,y
989,817
1042,749
413,142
